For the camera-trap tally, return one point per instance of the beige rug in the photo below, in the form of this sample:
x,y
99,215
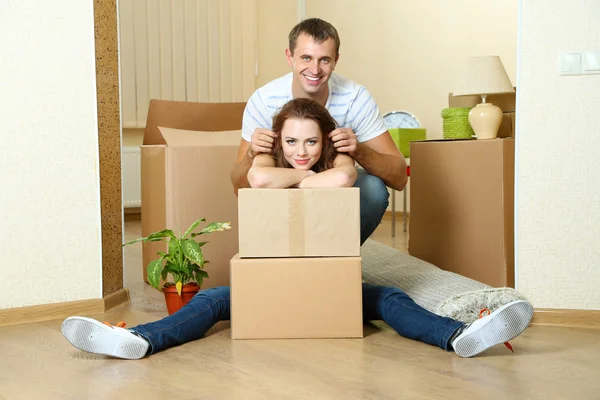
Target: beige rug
x,y
441,292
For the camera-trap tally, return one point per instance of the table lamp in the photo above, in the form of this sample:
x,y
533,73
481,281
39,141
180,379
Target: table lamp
x,y
484,76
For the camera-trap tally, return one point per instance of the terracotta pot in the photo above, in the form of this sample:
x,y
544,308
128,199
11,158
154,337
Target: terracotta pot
x,y
174,301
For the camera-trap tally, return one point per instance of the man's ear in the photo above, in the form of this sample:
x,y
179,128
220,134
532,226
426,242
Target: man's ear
x,y
288,55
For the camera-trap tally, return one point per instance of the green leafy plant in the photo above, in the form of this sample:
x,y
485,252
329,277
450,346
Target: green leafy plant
x,y
184,258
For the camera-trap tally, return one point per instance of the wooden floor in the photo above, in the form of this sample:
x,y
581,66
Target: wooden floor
x,y
549,363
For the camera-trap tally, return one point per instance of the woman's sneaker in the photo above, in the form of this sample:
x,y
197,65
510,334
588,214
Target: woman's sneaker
x,y
101,338
504,324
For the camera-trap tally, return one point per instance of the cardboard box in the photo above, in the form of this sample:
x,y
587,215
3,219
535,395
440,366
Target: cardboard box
x,y
186,176
507,101
296,298
191,117
299,222
462,207
507,127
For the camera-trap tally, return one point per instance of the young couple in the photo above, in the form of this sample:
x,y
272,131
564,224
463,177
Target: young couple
x,y
306,130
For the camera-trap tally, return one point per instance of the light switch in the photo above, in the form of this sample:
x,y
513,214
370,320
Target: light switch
x,y
570,64
590,62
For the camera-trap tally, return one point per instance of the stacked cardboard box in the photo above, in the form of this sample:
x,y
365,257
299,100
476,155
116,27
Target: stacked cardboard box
x,y
462,201
298,272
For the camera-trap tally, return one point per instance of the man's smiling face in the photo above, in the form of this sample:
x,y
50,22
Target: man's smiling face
x,y
312,65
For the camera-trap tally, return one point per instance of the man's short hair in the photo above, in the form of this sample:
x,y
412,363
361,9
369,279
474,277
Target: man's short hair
x,y
316,28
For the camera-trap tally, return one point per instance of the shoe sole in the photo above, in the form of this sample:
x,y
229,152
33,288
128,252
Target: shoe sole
x,y
507,323
95,337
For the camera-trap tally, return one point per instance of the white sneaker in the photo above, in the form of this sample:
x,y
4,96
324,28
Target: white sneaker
x,y
504,324
95,337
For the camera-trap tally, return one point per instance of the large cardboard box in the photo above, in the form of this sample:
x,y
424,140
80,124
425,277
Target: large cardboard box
x,y
462,207
296,298
299,222
186,176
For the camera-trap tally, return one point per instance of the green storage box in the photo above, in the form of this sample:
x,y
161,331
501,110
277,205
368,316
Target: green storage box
x,y
456,123
403,136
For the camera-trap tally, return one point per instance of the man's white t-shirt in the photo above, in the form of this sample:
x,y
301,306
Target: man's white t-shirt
x,y
349,103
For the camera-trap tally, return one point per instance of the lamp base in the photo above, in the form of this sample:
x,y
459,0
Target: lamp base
x,y
485,119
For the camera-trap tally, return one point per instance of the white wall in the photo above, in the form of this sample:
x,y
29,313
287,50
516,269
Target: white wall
x,y
409,54
50,204
558,145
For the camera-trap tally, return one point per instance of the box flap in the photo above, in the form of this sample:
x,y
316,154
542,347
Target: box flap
x,y
191,116
184,138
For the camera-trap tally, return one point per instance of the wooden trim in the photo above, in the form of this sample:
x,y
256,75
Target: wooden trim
x,y
109,143
132,214
399,214
46,312
116,299
567,318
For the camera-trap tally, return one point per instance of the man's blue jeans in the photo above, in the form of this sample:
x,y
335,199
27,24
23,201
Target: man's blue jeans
x,y
373,202
389,304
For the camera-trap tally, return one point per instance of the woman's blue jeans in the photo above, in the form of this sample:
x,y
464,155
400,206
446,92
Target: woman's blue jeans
x,y
389,304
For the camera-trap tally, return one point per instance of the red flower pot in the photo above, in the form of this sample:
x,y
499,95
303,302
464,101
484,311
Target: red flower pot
x,y
174,301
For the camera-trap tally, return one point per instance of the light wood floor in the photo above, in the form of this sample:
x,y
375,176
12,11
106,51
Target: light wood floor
x,y
549,363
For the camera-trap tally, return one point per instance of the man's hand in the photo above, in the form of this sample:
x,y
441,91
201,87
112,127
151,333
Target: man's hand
x,y
344,140
262,142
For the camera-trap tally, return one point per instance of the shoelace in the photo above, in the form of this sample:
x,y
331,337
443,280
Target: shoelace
x,y
488,313
120,324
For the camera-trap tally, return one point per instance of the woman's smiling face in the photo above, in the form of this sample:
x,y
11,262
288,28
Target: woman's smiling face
x,y
302,142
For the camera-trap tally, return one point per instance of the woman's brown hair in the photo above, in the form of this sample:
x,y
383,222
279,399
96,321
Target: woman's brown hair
x,y
306,109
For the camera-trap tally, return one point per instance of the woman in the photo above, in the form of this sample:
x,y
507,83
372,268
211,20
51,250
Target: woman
x,y
303,157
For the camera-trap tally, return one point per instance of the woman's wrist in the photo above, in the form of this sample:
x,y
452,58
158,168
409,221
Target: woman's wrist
x,y
308,174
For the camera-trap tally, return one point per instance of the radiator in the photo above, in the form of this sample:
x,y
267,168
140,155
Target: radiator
x,y
131,173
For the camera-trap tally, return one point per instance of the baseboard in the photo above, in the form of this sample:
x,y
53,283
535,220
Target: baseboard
x,y
567,318
399,215
116,299
46,312
132,214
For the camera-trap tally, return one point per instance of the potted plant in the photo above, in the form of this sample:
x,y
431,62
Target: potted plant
x,y
184,260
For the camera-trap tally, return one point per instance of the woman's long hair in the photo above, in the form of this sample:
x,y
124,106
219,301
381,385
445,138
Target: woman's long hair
x,y
305,109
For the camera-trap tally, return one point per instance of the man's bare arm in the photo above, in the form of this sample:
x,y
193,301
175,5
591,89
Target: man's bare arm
x,y
379,156
243,163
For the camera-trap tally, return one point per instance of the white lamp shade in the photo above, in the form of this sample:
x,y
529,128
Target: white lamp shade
x,y
483,76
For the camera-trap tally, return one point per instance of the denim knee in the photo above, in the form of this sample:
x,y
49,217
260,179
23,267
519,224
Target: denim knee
x,y
216,294
373,192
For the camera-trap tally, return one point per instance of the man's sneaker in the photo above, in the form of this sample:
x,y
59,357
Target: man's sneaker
x,y
504,324
96,337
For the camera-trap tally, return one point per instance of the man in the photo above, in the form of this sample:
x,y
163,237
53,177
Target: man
x,y
313,54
